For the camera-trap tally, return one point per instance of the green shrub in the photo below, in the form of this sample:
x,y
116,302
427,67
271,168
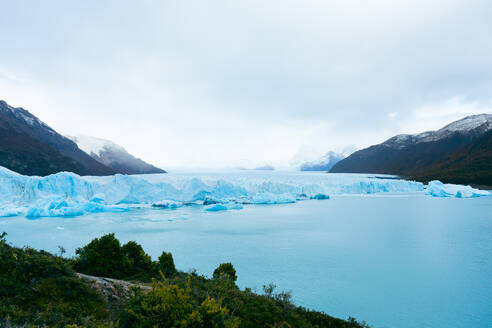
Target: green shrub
x,y
106,257
166,264
141,265
225,271
169,306
41,289
102,257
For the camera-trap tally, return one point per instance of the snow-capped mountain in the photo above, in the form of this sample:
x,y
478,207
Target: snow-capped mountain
x,y
31,147
113,155
474,124
325,163
412,155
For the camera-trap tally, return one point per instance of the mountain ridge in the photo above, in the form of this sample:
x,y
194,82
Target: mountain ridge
x,y
412,155
29,146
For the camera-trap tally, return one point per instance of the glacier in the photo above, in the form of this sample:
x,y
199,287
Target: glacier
x,y
67,194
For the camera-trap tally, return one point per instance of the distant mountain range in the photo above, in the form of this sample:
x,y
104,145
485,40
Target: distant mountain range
x,y
325,163
114,156
29,146
460,152
265,168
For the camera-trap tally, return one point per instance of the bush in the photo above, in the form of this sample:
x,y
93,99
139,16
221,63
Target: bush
x,y
140,264
225,271
166,264
169,306
41,289
105,257
102,257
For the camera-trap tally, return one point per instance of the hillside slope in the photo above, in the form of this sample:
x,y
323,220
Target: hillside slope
x,y
31,147
413,155
469,164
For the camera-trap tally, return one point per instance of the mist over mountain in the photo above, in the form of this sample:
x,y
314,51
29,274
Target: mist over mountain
x,y
325,163
114,156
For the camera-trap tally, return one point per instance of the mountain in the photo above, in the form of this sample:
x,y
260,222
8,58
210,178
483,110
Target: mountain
x,y
324,163
471,164
412,155
264,168
30,147
114,156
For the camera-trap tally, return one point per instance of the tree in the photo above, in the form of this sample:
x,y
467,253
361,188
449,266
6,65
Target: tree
x,y
102,257
225,271
139,261
166,264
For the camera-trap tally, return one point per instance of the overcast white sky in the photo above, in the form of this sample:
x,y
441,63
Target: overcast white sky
x,y
207,82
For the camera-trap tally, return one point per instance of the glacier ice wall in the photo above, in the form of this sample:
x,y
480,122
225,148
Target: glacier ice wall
x,y
67,194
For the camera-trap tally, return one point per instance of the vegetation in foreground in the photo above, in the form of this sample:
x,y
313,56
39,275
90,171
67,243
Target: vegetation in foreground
x,y
39,289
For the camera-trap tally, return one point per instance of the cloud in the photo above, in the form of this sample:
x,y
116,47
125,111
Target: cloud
x,y
436,115
208,81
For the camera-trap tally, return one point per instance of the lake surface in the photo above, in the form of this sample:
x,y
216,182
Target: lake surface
x,y
391,260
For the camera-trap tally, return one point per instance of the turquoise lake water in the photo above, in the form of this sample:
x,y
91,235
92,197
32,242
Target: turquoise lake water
x,y
391,260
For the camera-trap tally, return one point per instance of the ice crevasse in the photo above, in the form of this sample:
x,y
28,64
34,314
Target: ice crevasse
x,y
68,194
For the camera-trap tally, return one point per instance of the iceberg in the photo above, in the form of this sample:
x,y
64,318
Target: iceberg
x,y
436,188
223,207
67,194
169,204
216,208
320,197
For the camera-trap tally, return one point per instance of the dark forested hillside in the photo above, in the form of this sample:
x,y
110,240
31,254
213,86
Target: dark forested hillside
x,y
28,146
471,164
405,161
459,153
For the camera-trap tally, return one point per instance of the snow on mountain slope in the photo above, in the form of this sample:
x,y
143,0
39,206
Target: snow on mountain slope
x,y
113,155
469,123
325,163
29,146
93,145
476,124
67,194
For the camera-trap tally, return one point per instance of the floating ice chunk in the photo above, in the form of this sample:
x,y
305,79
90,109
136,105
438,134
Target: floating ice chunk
x,y
216,208
320,197
223,207
210,201
301,196
438,189
234,206
168,204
